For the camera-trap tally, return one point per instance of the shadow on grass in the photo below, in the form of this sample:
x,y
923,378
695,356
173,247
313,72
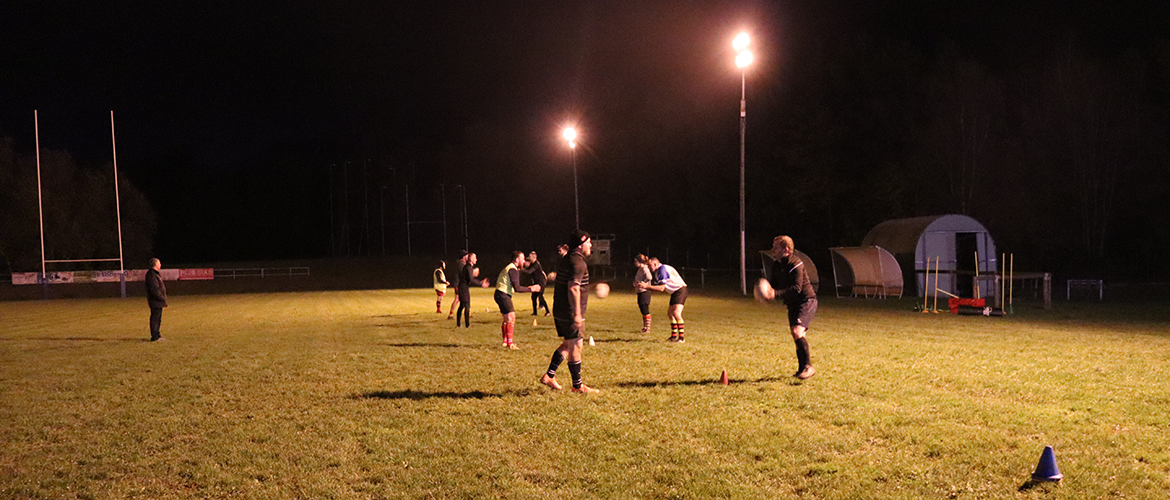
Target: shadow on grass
x,y
713,381
605,341
1042,486
420,395
435,344
89,339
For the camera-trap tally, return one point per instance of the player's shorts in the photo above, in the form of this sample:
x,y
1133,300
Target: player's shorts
x,y
802,313
566,329
679,296
440,292
505,302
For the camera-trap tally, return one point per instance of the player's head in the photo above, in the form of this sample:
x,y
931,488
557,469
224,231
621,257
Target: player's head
x,y
532,256
463,256
517,257
563,249
783,246
579,240
654,263
471,258
442,265
155,264
641,260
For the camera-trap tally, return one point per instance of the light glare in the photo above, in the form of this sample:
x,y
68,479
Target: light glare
x,y
570,134
741,41
743,59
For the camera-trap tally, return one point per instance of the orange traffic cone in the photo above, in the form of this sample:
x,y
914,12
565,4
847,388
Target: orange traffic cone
x,y
723,378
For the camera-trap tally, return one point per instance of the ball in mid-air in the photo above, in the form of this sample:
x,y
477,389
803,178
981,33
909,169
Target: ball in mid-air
x,y
764,291
601,290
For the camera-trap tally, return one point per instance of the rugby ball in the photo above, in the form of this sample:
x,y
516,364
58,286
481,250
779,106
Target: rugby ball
x,y
601,290
764,291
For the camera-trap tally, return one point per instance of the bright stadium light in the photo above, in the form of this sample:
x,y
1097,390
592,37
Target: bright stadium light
x,y
743,59
741,41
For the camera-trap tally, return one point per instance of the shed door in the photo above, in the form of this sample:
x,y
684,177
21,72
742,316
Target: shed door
x,y
966,244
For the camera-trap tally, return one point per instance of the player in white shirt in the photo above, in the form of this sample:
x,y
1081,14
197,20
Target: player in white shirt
x,y
666,279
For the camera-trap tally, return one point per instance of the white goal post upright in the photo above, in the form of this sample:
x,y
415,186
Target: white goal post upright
x,y
41,211
117,203
40,205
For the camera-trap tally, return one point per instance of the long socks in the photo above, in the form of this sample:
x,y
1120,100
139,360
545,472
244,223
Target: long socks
x,y
802,353
645,323
575,371
555,363
506,330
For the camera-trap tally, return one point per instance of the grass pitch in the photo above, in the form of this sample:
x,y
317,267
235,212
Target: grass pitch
x,y
370,394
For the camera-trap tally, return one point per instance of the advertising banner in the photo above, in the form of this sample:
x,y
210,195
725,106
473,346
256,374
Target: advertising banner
x,y
113,276
24,278
197,274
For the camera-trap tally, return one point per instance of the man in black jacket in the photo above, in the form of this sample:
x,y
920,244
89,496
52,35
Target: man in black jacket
x,y
156,297
536,273
468,276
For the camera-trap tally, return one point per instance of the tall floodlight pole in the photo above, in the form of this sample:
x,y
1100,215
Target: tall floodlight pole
x,y
742,59
463,215
570,135
443,197
382,212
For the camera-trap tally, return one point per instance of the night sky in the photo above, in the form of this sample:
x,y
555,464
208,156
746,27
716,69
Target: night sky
x,y
265,129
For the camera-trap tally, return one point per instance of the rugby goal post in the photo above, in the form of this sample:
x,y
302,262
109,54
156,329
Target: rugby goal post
x,y
43,278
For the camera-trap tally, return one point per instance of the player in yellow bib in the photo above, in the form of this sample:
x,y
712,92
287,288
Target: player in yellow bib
x,y
508,283
441,285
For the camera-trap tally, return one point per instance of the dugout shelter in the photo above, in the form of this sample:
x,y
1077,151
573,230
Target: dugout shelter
x,y
866,272
962,246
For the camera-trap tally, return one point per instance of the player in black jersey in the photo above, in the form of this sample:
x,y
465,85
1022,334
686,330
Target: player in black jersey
x,y
790,283
570,298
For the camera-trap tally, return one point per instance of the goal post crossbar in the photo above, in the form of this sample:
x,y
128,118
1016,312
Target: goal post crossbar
x,y
83,260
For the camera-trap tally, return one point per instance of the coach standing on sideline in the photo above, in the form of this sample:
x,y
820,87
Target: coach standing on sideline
x,y
570,297
536,274
156,297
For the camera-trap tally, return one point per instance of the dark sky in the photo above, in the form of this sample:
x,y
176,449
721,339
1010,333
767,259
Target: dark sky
x,y
256,99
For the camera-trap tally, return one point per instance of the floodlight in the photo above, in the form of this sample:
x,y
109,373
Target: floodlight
x,y
741,41
743,59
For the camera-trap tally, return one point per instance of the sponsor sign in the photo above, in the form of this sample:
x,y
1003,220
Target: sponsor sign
x,y
112,276
24,278
108,276
197,274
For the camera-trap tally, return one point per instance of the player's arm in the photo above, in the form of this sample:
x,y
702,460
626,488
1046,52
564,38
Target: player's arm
x,y
514,275
580,269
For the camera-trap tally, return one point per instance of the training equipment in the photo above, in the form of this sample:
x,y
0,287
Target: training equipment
x,y
601,290
723,378
1046,470
590,340
763,291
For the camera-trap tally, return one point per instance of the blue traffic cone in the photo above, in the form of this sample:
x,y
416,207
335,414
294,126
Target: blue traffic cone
x,y
1046,470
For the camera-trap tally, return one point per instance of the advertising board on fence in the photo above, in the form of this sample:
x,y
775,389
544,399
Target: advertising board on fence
x,y
112,276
